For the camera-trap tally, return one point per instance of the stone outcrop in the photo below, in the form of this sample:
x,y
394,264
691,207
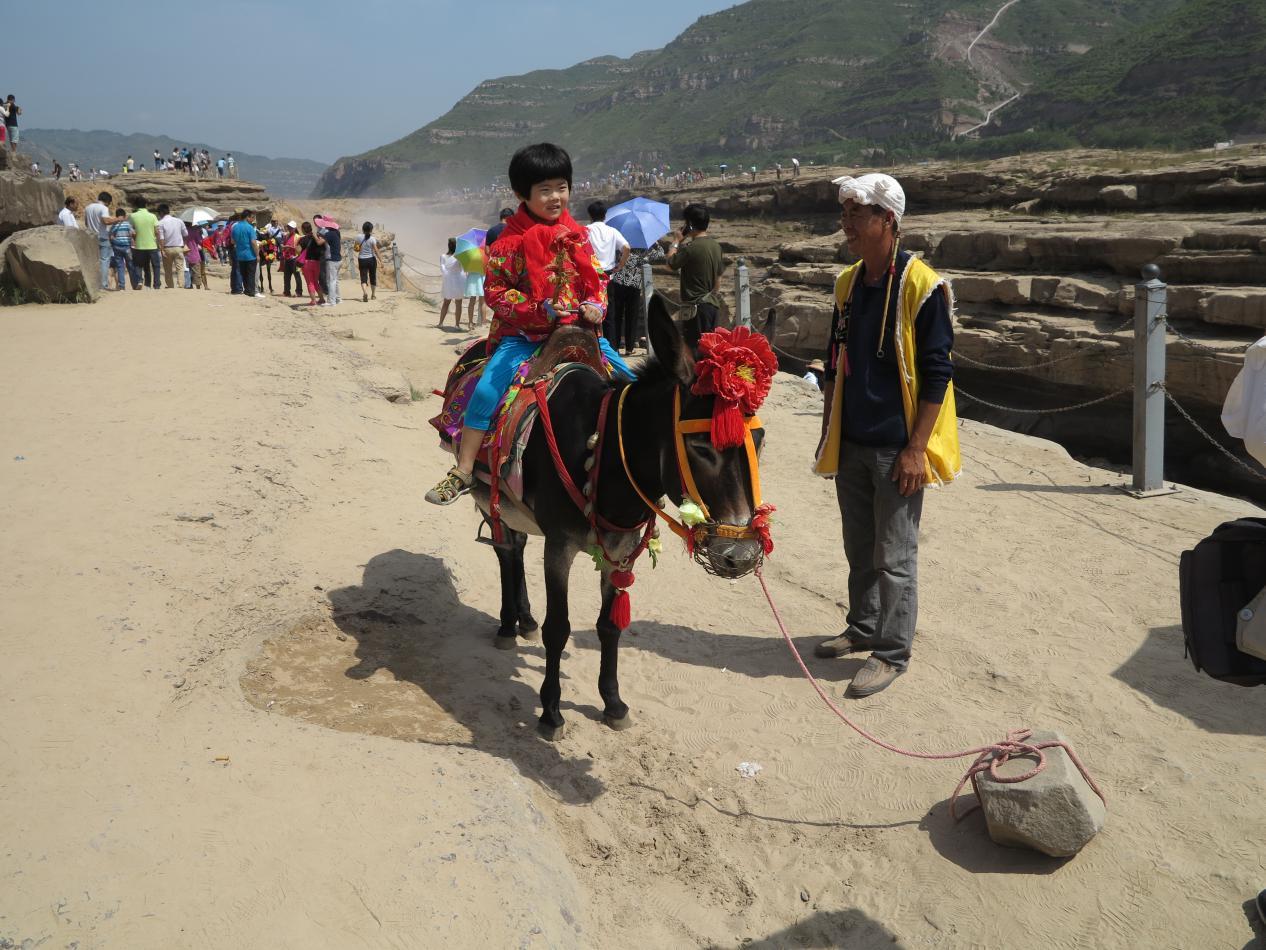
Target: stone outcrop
x,y
26,201
1081,181
51,264
223,194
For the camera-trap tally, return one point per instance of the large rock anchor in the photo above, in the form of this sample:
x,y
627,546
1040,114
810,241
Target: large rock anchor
x,y
1055,811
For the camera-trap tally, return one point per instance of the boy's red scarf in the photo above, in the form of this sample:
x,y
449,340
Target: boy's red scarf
x,y
542,242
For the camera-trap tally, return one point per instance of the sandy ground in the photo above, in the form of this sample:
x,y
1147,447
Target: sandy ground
x,y
251,700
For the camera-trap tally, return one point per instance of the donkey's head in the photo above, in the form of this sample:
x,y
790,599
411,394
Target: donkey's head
x,y
712,466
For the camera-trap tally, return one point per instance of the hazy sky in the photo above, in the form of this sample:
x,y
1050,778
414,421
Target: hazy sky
x,y
299,78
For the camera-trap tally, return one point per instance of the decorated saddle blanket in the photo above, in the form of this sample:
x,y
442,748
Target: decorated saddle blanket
x,y
505,442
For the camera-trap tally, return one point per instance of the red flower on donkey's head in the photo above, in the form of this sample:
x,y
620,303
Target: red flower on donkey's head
x,y
737,367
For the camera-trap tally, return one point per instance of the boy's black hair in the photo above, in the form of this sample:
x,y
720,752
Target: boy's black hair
x,y
452,245
164,210
597,211
140,202
104,197
534,164
69,201
506,213
697,217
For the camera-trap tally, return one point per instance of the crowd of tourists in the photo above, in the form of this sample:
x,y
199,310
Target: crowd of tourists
x,y
157,250
194,162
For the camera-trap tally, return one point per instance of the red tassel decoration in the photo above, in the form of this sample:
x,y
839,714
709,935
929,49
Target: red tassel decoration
x,y
727,424
621,610
621,579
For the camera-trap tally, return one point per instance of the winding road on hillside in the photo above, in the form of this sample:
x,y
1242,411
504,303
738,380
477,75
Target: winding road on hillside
x,y
972,45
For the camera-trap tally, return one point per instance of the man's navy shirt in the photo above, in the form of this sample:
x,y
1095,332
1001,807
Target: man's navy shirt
x,y
874,414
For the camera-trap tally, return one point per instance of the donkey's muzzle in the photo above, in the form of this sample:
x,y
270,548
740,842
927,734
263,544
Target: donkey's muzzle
x,y
732,557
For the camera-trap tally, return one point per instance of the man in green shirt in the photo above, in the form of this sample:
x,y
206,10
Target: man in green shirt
x,y
697,257
145,256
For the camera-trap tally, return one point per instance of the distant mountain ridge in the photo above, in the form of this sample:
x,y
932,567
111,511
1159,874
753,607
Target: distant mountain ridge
x,y
283,177
836,80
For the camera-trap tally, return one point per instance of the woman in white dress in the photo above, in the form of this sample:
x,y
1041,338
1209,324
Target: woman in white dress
x,y
454,284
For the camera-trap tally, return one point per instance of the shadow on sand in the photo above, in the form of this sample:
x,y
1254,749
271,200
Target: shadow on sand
x,y
1160,671
967,843
406,618
755,657
827,930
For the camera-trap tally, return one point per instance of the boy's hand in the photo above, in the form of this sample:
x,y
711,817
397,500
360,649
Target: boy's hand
x,y
591,313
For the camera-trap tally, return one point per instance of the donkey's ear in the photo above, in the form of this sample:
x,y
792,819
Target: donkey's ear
x,y
667,343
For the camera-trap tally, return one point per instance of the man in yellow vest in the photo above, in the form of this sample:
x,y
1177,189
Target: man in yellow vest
x,y
888,423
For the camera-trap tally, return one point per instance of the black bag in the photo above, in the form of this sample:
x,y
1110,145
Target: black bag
x,y
1217,579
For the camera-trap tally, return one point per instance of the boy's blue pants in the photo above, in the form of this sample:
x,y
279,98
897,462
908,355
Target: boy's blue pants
x,y
499,374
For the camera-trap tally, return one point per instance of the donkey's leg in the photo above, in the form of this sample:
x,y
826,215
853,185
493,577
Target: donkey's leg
x,y
512,582
614,712
527,623
559,553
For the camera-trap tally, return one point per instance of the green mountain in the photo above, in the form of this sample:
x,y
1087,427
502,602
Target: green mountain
x,y
283,177
822,79
1190,78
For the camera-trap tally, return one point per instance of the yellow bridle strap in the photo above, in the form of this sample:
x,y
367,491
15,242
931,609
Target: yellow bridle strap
x,y
681,427
699,426
677,527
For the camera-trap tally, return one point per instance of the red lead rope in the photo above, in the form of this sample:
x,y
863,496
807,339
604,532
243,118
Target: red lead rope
x,y
988,757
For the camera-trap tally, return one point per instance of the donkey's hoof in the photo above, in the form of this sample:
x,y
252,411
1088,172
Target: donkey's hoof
x,y
550,733
619,725
505,643
530,631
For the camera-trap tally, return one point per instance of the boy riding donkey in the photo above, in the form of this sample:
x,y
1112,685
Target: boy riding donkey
x,y
541,274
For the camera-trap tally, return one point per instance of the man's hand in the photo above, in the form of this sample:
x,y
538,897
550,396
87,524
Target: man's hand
x,y
590,313
907,471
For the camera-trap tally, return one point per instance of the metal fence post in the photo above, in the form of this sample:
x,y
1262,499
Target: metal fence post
x,y
742,296
648,290
395,264
1150,298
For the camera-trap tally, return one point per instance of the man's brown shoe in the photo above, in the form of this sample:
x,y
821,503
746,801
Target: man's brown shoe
x,y
875,675
837,647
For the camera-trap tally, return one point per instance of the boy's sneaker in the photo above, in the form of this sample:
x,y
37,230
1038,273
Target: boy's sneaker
x,y
451,487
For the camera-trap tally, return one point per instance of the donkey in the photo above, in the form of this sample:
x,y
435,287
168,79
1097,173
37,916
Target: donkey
x,y
636,455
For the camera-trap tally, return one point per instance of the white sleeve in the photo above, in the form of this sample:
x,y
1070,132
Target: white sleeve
x,y
1244,411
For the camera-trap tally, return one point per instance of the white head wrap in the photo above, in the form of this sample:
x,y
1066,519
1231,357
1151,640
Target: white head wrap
x,y
875,188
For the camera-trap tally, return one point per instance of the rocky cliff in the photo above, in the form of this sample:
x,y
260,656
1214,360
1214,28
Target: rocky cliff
x,y
761,79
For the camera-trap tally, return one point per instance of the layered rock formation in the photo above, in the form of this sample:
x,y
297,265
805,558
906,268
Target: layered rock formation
x,y
1043,261
25,201
178,190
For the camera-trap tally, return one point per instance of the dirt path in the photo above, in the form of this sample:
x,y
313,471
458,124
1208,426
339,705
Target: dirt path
x,y
329,634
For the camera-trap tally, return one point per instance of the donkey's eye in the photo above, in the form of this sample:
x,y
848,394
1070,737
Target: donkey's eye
x,y
706,452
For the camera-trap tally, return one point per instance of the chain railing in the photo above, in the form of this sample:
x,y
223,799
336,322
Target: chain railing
x,y
1195,344
1253,470
1098,354
1041,412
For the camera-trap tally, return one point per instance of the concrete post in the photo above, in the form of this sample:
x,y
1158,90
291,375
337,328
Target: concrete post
x,y
648,289
395,264
742,296
1150,299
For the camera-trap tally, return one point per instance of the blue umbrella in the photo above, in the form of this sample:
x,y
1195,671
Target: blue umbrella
x,y
641,221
